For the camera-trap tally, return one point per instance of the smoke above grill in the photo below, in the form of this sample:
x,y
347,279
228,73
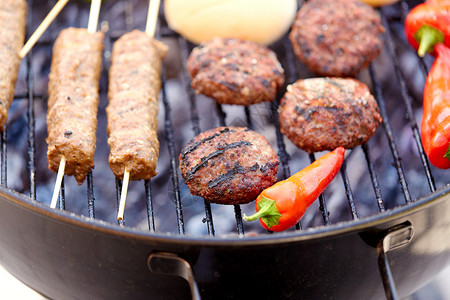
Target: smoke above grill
x,y
386,172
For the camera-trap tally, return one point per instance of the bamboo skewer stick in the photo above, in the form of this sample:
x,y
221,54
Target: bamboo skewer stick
x,y
92,28
42,27
150,28
93,15
59,177
123,194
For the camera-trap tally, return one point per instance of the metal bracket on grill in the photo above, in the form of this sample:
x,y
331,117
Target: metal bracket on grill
x,y
393,238
170,264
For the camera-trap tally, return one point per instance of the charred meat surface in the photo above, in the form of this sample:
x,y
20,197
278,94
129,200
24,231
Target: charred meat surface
x,y
73,101
12,36
337,37
319,114
228,165
134,84
234,71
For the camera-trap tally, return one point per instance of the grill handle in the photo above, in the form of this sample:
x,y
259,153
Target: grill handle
x,y
393,238
170,264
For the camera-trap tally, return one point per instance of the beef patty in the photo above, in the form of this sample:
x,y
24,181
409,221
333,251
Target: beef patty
x,y
319,114
228,165
336,37
234,71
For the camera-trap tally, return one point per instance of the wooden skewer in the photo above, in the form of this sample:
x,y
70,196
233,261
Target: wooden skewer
x,y
93,15
150,28
59,177
42,27
123,194
92,28
152,17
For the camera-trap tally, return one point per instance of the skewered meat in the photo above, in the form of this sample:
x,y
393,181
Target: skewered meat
x,y
336,37
12,35
324,113
73,100
228,165
234,71
134,84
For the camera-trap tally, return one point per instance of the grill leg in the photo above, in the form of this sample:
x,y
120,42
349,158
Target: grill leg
x,y
170,264
395,237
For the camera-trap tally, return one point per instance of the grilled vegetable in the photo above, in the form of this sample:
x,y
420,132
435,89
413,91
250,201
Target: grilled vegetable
x,y
435,127
428,24
282,205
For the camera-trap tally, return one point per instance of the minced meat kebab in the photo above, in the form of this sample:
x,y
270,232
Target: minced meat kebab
x,y
73,100
228,165
12,36
319,114
134,84
337,37
234,71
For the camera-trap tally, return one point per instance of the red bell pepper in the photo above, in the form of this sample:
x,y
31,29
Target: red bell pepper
x,y
435,125
428,24
282,205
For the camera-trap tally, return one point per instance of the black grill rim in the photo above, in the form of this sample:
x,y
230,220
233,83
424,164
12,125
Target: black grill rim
x,y
319,232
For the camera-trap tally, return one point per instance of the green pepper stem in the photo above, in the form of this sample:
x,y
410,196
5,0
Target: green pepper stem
x,y
267,211
447,154
427,36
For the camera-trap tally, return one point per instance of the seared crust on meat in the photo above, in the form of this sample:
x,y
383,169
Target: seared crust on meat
x,y
134,84
336,37
12,35
228,165
234,71
73,101
323,113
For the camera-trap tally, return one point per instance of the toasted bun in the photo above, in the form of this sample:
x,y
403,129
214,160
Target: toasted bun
x,y
260,21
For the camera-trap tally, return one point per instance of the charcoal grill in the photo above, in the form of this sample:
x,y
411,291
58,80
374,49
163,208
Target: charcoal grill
x,y
174,245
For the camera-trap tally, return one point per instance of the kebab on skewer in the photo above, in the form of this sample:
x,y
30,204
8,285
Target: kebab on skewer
x,y
134,85
73,100
12,36
12,49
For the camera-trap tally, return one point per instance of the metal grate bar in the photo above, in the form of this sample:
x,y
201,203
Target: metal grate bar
x,y
118,193
373,178
4,169
30,113
388,130
322,203
62,196
150,214
407,101
31,130
173,157
348,190
195,123
90,195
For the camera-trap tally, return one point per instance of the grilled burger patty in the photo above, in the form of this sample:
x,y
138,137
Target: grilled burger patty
x,y
323,113
336,37
12,36
134,84
234,71
73,100
228,165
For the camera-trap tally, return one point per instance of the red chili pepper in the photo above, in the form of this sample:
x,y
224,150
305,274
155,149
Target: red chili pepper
x,y
435,126
428,24
282,205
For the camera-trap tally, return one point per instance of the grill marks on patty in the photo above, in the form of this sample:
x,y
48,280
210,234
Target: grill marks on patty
x,y
228,165
221,151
